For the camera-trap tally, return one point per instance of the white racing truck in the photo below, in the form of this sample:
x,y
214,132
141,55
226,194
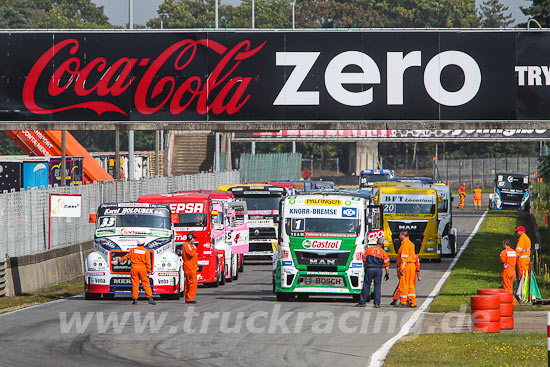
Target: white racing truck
x,y
118,228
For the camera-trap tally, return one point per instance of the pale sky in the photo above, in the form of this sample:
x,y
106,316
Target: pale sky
x,y
117,10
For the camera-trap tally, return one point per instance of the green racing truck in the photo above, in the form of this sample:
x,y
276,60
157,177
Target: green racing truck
x,y
322,239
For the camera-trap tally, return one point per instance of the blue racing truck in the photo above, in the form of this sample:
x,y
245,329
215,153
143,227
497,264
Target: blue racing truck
x,y
511,190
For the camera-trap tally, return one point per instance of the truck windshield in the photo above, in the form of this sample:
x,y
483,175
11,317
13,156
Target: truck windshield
x,y
443,206
396,208
192,220
321,225
513,182
262,202
374,178
135,220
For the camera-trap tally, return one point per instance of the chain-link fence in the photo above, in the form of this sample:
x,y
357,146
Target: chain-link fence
x,y
270,167
482,171
321,166
24,218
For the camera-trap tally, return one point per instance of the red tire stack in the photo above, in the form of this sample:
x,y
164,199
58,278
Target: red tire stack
x,y
506,306
485,313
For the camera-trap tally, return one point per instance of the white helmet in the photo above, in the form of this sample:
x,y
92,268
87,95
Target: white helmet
x,y
141,242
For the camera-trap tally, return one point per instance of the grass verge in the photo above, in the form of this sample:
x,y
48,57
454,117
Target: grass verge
x,y
479,266
469,349
51,293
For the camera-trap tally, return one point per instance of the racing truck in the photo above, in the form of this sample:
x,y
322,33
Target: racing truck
x,y
196,214
119,226
511,190
234,220
262,202
411,208
322,240
369,177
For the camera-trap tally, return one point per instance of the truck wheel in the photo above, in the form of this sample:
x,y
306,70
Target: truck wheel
x,y
284,297
91,296
241,267
221,271
273,283
216,283
236,267
452,242
230,272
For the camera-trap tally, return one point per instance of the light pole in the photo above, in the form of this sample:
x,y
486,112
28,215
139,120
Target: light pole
x,y
217,19
293,14
131,132
253,6
163,17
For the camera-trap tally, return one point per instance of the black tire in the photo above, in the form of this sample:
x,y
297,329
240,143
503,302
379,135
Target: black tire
x,y
92,296
273,283
222,276
356,297
216,283
284,297
302,297
230,278
452,241
236,276
241,268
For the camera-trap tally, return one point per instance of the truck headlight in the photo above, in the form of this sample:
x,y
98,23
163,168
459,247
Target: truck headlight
x,y
430,249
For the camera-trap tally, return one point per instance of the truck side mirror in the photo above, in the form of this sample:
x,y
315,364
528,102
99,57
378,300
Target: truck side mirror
x,y
92,218
174,218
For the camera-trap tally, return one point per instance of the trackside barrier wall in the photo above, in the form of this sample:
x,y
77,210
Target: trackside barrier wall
x,y
24,215
270,167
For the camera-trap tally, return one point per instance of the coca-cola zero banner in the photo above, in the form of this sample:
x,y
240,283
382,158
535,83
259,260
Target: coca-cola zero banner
x,y
275,76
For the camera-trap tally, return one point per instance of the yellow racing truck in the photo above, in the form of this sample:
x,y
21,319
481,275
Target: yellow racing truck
x,y
411,208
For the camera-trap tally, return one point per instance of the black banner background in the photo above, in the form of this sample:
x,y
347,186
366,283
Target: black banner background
x,y
496,53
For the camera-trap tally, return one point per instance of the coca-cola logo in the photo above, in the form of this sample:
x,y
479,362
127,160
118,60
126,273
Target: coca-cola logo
x,y
219,92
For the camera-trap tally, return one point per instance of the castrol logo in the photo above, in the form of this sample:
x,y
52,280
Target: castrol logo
x,y
322,244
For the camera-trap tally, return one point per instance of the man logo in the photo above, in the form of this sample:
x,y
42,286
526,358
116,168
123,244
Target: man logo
x,y
306,244
408,228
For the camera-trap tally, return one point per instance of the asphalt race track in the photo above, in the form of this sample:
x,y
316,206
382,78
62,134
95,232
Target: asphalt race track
x,y
239,324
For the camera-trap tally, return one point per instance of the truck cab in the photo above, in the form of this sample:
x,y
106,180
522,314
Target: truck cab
x,y
369,177
511,190
262,202
195,214
118,228
412,208
323,237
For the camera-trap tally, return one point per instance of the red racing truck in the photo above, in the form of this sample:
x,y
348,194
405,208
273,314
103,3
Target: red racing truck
x,y
195,215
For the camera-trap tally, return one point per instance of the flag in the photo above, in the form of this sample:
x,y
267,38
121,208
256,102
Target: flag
x,y
519,291
534,288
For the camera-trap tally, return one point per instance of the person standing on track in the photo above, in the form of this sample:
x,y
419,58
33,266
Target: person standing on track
x,y
523,252
406,268
140,271
508,258
396,292
190,265
374,259
462,194
477,198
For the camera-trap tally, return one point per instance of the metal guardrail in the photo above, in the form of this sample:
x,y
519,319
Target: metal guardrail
x,y
3,267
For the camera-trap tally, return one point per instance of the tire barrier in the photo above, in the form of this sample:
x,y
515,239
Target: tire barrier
x,y
3,267
506,306
485,313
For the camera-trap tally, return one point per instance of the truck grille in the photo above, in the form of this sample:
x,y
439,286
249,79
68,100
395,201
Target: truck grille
x,y
126,267
321,258
511,198
416,233
262,246
264,233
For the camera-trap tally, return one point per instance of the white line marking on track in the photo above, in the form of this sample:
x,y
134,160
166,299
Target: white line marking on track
x,y
31,307
377,359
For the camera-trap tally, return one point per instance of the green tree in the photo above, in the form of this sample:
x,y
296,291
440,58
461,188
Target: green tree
x,y
539,10
493,14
